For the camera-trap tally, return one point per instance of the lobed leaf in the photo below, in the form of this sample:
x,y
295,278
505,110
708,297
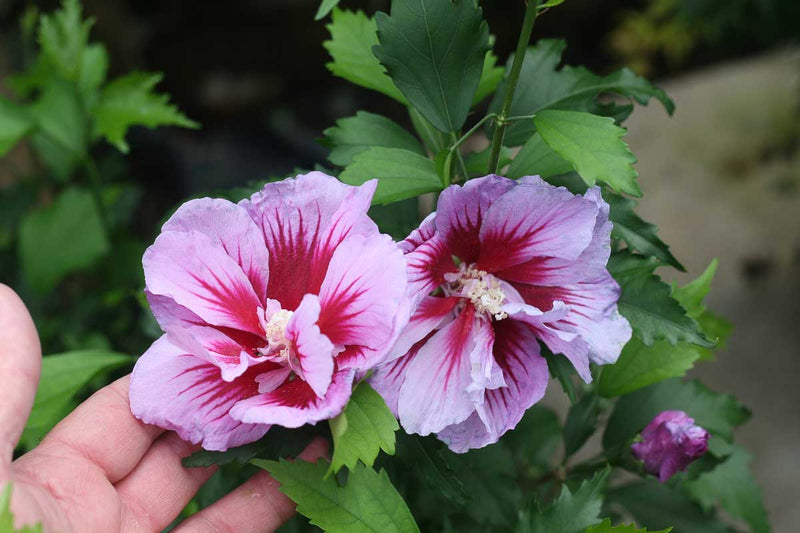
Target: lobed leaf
x,y
357,134
15,124
400,173
536,158
581,423
63,36
325,7
593,146
365,427
573,512
367,503
434,52
130,101
606,527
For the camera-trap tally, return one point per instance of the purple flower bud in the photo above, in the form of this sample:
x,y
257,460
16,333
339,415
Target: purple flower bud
x,y
669,443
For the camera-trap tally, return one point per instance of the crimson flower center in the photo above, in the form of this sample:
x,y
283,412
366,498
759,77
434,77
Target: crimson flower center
x,y
481,288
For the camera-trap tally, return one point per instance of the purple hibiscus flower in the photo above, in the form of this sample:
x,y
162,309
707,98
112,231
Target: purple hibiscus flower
x,y
269,308
500,264
669,443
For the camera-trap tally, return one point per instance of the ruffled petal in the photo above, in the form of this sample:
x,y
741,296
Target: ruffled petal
x,y
313,350
535,219
177,391
427,265
363,294
426,230
389,377
431,314
198,274
229,226
294,403
525,371
438,390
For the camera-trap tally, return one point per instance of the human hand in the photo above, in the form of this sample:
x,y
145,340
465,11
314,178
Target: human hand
x,y
101,469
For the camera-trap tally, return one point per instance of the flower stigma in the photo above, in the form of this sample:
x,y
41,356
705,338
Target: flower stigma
x,y
275,333
482,289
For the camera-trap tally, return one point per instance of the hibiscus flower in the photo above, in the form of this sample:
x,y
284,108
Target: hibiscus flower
x,y
269,308
500,265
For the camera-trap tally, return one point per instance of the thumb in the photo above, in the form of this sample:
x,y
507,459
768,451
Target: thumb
x,y
20,364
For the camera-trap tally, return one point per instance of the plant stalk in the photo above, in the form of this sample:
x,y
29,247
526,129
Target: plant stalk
x,y
531,11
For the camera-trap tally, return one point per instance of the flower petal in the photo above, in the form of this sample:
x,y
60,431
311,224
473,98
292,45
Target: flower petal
x,y
177,391
197,273
293,215
388,378
294,403
427,265
426,230
314,351
525,371
437,390
363,292
431,314
229,226
535,220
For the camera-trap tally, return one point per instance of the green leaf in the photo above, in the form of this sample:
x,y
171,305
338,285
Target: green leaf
x,y
718,413
130,101
368,503
7,517
94,68
434,52
581,423
398,219
478,162
357,134
573,512
277,443
535,439
353,35
640,235
639,366
431,463
541,87
61,136
57,240
551,3
63,36
15,123
659,506
606,527
365,427
732,485
401,174
325,7
562,370
63,376
647,303
491,76
593,145
536,158
434,140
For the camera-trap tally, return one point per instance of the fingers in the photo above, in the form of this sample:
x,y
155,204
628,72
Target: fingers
x,y
254,507
20,364
156,491
103,431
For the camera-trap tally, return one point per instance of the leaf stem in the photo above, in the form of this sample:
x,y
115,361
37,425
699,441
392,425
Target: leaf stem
x,y
531,11
472,130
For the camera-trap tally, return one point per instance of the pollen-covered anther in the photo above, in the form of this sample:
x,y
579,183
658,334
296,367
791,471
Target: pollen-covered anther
x,y
483,290
276,333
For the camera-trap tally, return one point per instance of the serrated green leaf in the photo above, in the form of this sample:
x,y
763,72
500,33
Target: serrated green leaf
x,y
561,369
61,138
541,86
732,485
434,140
94,68
660,506
606,527
536,158
640,235
279,442
63,36
63,376
353,35
572,512
593,145
477,162
325,7
647,303
365,427
431,463
551,3
639,366
15,124
401,174
434,52
581,423
130,101
535,439
491,76
73,219
368,503
718,413
7,517
357,134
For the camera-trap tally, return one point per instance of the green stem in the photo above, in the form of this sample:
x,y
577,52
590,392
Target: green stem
x,y
472,130
457,153
513,78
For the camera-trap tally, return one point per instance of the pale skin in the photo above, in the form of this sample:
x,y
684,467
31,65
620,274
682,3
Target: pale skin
x,y
101,469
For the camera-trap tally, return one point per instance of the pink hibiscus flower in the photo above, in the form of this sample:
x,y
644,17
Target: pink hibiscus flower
x,y
269,308
500,264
